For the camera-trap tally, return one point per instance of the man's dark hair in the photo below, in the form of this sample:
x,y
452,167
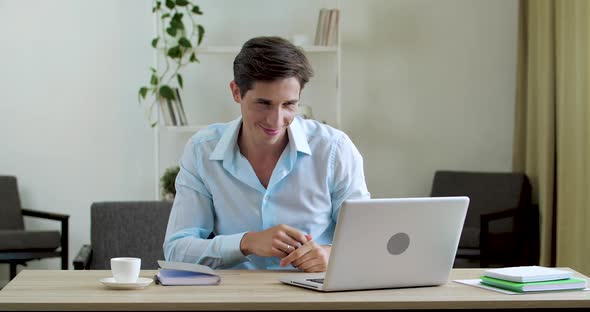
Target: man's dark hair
x,y
269,59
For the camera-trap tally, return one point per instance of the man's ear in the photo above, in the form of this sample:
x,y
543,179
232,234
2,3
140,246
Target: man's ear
x,y
235,91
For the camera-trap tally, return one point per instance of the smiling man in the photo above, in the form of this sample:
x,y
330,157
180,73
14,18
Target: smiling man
x,y
268,185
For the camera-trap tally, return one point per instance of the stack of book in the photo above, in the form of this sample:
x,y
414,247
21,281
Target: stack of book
x,y
180,273
327,28
531,279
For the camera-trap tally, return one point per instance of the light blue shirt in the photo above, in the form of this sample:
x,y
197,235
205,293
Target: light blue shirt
x,y
217,191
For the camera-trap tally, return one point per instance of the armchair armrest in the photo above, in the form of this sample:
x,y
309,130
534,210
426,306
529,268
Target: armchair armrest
x,y
488,217
63,218
82,260
45,215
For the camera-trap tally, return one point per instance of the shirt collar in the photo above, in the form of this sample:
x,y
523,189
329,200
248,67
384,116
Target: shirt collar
x,y
229,139
297,138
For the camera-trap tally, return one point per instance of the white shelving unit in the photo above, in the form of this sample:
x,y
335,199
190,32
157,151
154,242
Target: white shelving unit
x,y
184,129
326,61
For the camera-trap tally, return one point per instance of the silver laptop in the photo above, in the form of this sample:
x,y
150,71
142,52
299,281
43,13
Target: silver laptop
x,y
390,243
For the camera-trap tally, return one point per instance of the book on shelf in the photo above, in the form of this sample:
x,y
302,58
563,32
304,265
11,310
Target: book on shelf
x,y
180,108
185,274
332,38
176,113
319,28
523,274
561,284
167,112
327,27
173,111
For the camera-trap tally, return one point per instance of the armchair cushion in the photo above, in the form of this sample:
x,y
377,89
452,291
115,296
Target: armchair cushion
x,y
26,240
468,252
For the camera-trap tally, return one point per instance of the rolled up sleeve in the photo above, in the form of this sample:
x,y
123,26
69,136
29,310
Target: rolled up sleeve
x,y
348,176
192,220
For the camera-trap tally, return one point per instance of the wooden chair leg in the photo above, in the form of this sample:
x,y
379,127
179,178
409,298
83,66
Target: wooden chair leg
x,y
64,244
12,270
64,260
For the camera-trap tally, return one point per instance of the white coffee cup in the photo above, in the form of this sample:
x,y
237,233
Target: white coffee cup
x,y
125,270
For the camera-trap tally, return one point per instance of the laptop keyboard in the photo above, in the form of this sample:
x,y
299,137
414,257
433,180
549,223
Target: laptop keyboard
x,y
316,280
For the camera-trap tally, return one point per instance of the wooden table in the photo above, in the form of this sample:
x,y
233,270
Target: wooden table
x,y
258,290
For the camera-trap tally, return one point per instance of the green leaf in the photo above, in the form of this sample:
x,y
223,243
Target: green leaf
x,y
165,15
193,58
154,124
181,2
180,83
176,23
155,42
177,16
201,33
154,80
174,52
153,70
197,10
170,4
171,31
158,4
184,42
166,92
142,92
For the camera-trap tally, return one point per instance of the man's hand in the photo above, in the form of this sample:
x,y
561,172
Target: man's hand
x,y
310,257
277,241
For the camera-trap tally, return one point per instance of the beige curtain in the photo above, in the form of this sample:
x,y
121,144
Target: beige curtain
x,y
552,135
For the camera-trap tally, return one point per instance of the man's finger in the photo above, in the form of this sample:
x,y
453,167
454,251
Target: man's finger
x,y
308,256
279,244
295,255
289,241
296,234
316,268
305,265
278,253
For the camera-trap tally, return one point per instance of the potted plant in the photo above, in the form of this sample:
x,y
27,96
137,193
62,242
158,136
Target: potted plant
x,y
177,37
167,183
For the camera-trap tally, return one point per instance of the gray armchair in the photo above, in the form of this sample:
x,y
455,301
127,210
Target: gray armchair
x,y
17,245
502,225
125,229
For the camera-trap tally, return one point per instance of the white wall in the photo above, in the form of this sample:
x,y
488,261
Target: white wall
x,y
426,85
70,126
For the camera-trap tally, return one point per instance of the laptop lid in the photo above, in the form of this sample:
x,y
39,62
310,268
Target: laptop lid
x,y
388,243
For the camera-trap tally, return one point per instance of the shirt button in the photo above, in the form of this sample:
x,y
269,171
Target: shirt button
x,y
266,197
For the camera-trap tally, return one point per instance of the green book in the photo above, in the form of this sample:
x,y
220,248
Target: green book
x,y
563,284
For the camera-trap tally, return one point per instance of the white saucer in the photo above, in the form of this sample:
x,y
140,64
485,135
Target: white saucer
x,y
140,283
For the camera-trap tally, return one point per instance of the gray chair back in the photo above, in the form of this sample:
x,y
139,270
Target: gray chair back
x,y
488,192
10,206
128,229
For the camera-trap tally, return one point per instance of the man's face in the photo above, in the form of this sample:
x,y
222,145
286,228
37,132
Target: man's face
x,y
268,109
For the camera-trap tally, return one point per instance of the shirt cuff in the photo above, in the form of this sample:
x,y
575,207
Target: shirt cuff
x,y
230,250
